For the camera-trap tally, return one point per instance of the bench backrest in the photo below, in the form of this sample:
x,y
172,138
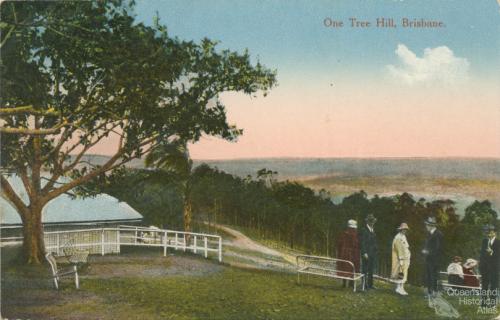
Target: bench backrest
x,y
326,264
52,261
69,247
477,276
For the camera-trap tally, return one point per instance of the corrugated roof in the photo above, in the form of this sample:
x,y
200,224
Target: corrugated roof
x,y
65,209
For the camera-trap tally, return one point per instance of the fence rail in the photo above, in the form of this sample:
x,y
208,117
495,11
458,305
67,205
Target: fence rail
x,y
110,240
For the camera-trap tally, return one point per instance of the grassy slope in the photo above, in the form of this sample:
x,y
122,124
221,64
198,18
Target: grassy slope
x,y
228,293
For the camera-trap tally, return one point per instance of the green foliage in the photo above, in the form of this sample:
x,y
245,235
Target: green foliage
x,y
155,194
296,216
77,72
480,213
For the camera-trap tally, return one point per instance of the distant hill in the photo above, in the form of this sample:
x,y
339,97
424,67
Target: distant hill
x,y
99,160
291,168
460,180
421,167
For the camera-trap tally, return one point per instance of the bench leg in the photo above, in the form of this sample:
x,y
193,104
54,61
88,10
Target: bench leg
x,y
77,282
55,283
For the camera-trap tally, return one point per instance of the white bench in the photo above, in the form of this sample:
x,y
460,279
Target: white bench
x,y
74,254
445,284
57,273
327,267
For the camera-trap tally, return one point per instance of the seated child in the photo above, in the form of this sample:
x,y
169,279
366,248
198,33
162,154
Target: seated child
x,y
470,278
455,272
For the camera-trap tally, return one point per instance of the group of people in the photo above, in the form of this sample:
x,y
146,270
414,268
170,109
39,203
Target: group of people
x,y
462,274
359,247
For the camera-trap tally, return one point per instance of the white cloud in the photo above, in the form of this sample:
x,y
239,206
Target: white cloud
x,y
437,65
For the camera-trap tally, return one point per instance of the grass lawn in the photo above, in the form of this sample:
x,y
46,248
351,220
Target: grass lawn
x,y
142,284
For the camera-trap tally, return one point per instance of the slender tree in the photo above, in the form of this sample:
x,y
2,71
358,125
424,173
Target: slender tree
x,y
76,74
174,158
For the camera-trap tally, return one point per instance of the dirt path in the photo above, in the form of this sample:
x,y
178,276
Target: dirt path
x,y
244,242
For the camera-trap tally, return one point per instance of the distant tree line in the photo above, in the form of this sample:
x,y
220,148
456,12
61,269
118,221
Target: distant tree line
x,y
297,216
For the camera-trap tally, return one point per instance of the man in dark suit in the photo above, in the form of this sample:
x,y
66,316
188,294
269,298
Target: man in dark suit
x,y
369,250
482,265
433,253
490,263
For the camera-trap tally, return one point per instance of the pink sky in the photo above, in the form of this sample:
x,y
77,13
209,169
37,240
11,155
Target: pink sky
x,y
354,119
362,121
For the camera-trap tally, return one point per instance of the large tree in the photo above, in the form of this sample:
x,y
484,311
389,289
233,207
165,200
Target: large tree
x,y
77,73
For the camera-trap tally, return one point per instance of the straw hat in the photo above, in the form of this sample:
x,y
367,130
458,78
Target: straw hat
x,y
403,226
352,224
470,263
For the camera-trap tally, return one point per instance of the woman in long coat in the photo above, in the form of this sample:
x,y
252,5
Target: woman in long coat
x,y
348,249
400,259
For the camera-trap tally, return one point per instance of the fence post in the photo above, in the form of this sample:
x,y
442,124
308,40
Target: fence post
x,y
58,243
220,249
102,241
176,241
118,240
184,238
206,247
165,244
195,244
135,238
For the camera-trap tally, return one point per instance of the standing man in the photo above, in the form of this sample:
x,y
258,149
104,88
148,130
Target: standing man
x,y
490,263
400,259
432,252
369,250
348,249
482,265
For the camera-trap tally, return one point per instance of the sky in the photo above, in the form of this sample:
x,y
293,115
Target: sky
x,y
353,91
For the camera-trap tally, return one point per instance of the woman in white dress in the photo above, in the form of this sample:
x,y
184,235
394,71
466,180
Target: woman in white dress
x,y
400,259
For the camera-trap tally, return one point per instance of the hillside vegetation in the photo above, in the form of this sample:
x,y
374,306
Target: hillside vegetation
x,y
298,217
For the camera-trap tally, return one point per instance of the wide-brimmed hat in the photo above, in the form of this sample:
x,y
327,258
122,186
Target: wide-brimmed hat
x,y
491,228
403,226
457,259
470,263
370,218
431,221
352,224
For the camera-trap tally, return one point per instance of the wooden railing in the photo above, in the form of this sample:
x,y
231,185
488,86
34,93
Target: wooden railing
x,y
110,240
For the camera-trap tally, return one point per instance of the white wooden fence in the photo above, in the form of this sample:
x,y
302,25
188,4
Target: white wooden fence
x,y
110,240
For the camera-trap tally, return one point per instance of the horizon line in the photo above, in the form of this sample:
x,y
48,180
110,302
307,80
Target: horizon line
x,y
350,158
338,157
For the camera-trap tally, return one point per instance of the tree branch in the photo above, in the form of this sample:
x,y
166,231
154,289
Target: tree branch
x,y
9,194
106,167
73,147
64,137
37,161
5,111
34,132
59,169
80,155
7,36
27,185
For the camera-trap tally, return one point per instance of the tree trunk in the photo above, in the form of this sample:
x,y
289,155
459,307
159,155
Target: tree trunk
x,y
188,214
33,242
327,243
